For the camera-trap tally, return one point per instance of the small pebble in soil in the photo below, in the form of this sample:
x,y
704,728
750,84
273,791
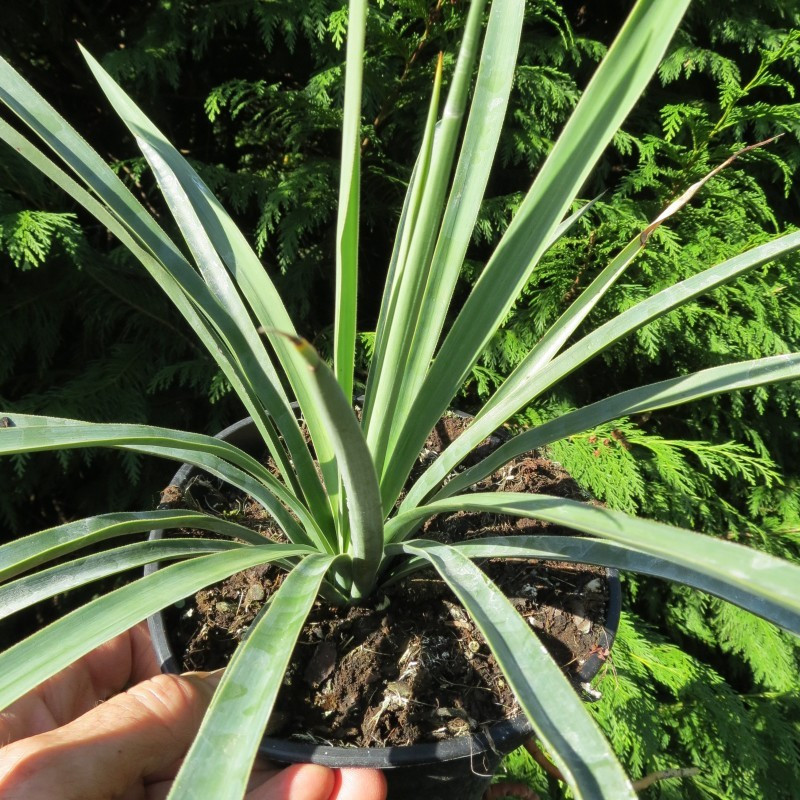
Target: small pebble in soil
x,y
450,713
581,623
255,594
399,688
383,604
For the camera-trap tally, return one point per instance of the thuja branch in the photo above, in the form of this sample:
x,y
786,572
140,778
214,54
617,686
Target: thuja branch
x,y
388,104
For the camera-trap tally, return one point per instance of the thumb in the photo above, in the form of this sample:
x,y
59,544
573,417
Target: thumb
x,y
133,739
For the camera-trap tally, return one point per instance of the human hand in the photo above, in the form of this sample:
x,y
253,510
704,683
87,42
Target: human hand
x,y
76,737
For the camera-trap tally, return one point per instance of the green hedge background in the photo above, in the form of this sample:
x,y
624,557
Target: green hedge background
x,y
251,90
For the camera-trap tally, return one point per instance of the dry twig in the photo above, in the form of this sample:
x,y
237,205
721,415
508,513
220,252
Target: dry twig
x,y
648,780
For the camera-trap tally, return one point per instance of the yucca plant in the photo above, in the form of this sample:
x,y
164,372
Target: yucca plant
x,y
337,498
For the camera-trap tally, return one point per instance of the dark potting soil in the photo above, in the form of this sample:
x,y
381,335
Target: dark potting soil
x,y
410,667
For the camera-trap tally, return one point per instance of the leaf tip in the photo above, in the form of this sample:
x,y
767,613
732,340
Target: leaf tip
x,y
303,347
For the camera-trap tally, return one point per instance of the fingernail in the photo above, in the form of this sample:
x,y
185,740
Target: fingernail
x,y
211,679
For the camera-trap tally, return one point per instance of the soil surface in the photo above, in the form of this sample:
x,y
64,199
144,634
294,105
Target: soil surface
x,y
411,667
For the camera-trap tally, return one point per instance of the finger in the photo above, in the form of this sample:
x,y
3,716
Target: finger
x,y
315,782
297,782
353,783
144,663
133,738
125,659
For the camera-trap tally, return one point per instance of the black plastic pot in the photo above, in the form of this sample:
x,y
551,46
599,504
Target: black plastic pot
x,y
460,768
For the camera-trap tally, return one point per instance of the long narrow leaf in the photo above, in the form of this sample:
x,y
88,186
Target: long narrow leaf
x,y
27,591
119,210
392,351
358,472
524,386
612,92
219,762
256,364
190,297
567,324
238,256
743,569
560,332
28,432
549,701
582,550
391,399
33,434
56,132
215,239
654,396
395,323
30,551
404,230
481,135
344,334
40,656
